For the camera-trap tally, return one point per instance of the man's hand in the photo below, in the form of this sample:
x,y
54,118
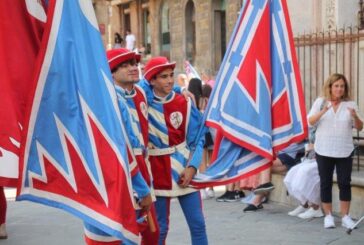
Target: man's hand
x,y
145,203
187,94
186,176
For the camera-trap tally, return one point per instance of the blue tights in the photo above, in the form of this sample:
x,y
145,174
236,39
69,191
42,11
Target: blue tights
x,y
192,210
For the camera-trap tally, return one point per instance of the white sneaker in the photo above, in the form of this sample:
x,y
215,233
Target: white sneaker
x,y
210,193
311,213
297,211
329,221
347,222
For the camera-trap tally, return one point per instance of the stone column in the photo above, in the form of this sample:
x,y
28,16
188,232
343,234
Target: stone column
x,y
204,36
154,26
101,11
133,7
177,32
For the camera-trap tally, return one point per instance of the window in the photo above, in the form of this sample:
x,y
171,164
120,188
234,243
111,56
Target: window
x,y
165,33
190,22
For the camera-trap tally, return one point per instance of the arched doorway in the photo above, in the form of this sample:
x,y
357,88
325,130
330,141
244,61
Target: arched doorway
x,y
165,32
219,30
190,24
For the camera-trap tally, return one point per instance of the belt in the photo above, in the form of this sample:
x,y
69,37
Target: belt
x,y
166,151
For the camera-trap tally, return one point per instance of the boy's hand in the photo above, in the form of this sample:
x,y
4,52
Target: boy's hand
x,y
186,176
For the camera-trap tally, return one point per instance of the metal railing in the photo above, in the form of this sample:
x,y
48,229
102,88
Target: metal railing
x,y
322,53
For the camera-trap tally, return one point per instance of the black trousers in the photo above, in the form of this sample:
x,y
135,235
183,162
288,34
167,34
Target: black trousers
x,y
326,166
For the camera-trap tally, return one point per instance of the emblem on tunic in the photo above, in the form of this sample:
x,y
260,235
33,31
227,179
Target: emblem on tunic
x,y
144,109
176,119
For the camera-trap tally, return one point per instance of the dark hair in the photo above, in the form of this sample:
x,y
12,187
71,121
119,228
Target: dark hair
x,y
118,38
132,62
195,87
206,90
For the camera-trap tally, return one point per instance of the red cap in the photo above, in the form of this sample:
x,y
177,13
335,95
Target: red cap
x,y
118,56
156,65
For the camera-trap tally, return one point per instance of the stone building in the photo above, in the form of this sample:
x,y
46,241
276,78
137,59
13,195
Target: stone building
x,y
199,31
194,30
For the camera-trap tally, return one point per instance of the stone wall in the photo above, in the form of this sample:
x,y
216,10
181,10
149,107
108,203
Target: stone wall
x,y
305,16
204,32
110,17
177,32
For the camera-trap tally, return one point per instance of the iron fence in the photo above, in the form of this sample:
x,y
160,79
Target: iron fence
x,y
322,53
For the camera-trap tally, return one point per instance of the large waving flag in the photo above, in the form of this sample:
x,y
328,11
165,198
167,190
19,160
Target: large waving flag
x,y
21,28
74,152
257,105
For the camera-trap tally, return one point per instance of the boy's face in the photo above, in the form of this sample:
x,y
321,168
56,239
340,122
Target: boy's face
x,y
163,82
127,72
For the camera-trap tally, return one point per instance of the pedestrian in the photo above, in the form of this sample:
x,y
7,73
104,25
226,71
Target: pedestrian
x,y
174,126
130,40
117,40
303,183
182,80
233,193
123,66
3,234
197,89
208,79
285,160
334,115
209,136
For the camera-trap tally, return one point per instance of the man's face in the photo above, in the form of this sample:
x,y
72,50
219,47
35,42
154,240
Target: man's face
x,y
127,72
163,83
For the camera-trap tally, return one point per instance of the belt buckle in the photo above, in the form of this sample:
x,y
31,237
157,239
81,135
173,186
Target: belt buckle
x,y
173,149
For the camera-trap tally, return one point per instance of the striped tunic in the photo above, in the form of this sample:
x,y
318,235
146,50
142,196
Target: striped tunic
x,y
174,121
137,104
139,171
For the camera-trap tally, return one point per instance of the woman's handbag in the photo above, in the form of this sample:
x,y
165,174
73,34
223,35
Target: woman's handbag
x,y
312,129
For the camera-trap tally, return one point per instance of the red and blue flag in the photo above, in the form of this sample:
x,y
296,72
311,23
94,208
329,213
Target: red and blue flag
x,y
257,105
21,26
74,147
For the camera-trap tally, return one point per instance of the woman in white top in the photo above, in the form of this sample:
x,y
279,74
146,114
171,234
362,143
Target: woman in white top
x,y
335,115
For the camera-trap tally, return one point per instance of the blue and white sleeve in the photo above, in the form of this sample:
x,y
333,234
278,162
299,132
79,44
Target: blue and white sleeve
x,y
139,185
196,136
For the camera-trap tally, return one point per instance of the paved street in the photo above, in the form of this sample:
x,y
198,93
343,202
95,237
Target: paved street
x,y
34,224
